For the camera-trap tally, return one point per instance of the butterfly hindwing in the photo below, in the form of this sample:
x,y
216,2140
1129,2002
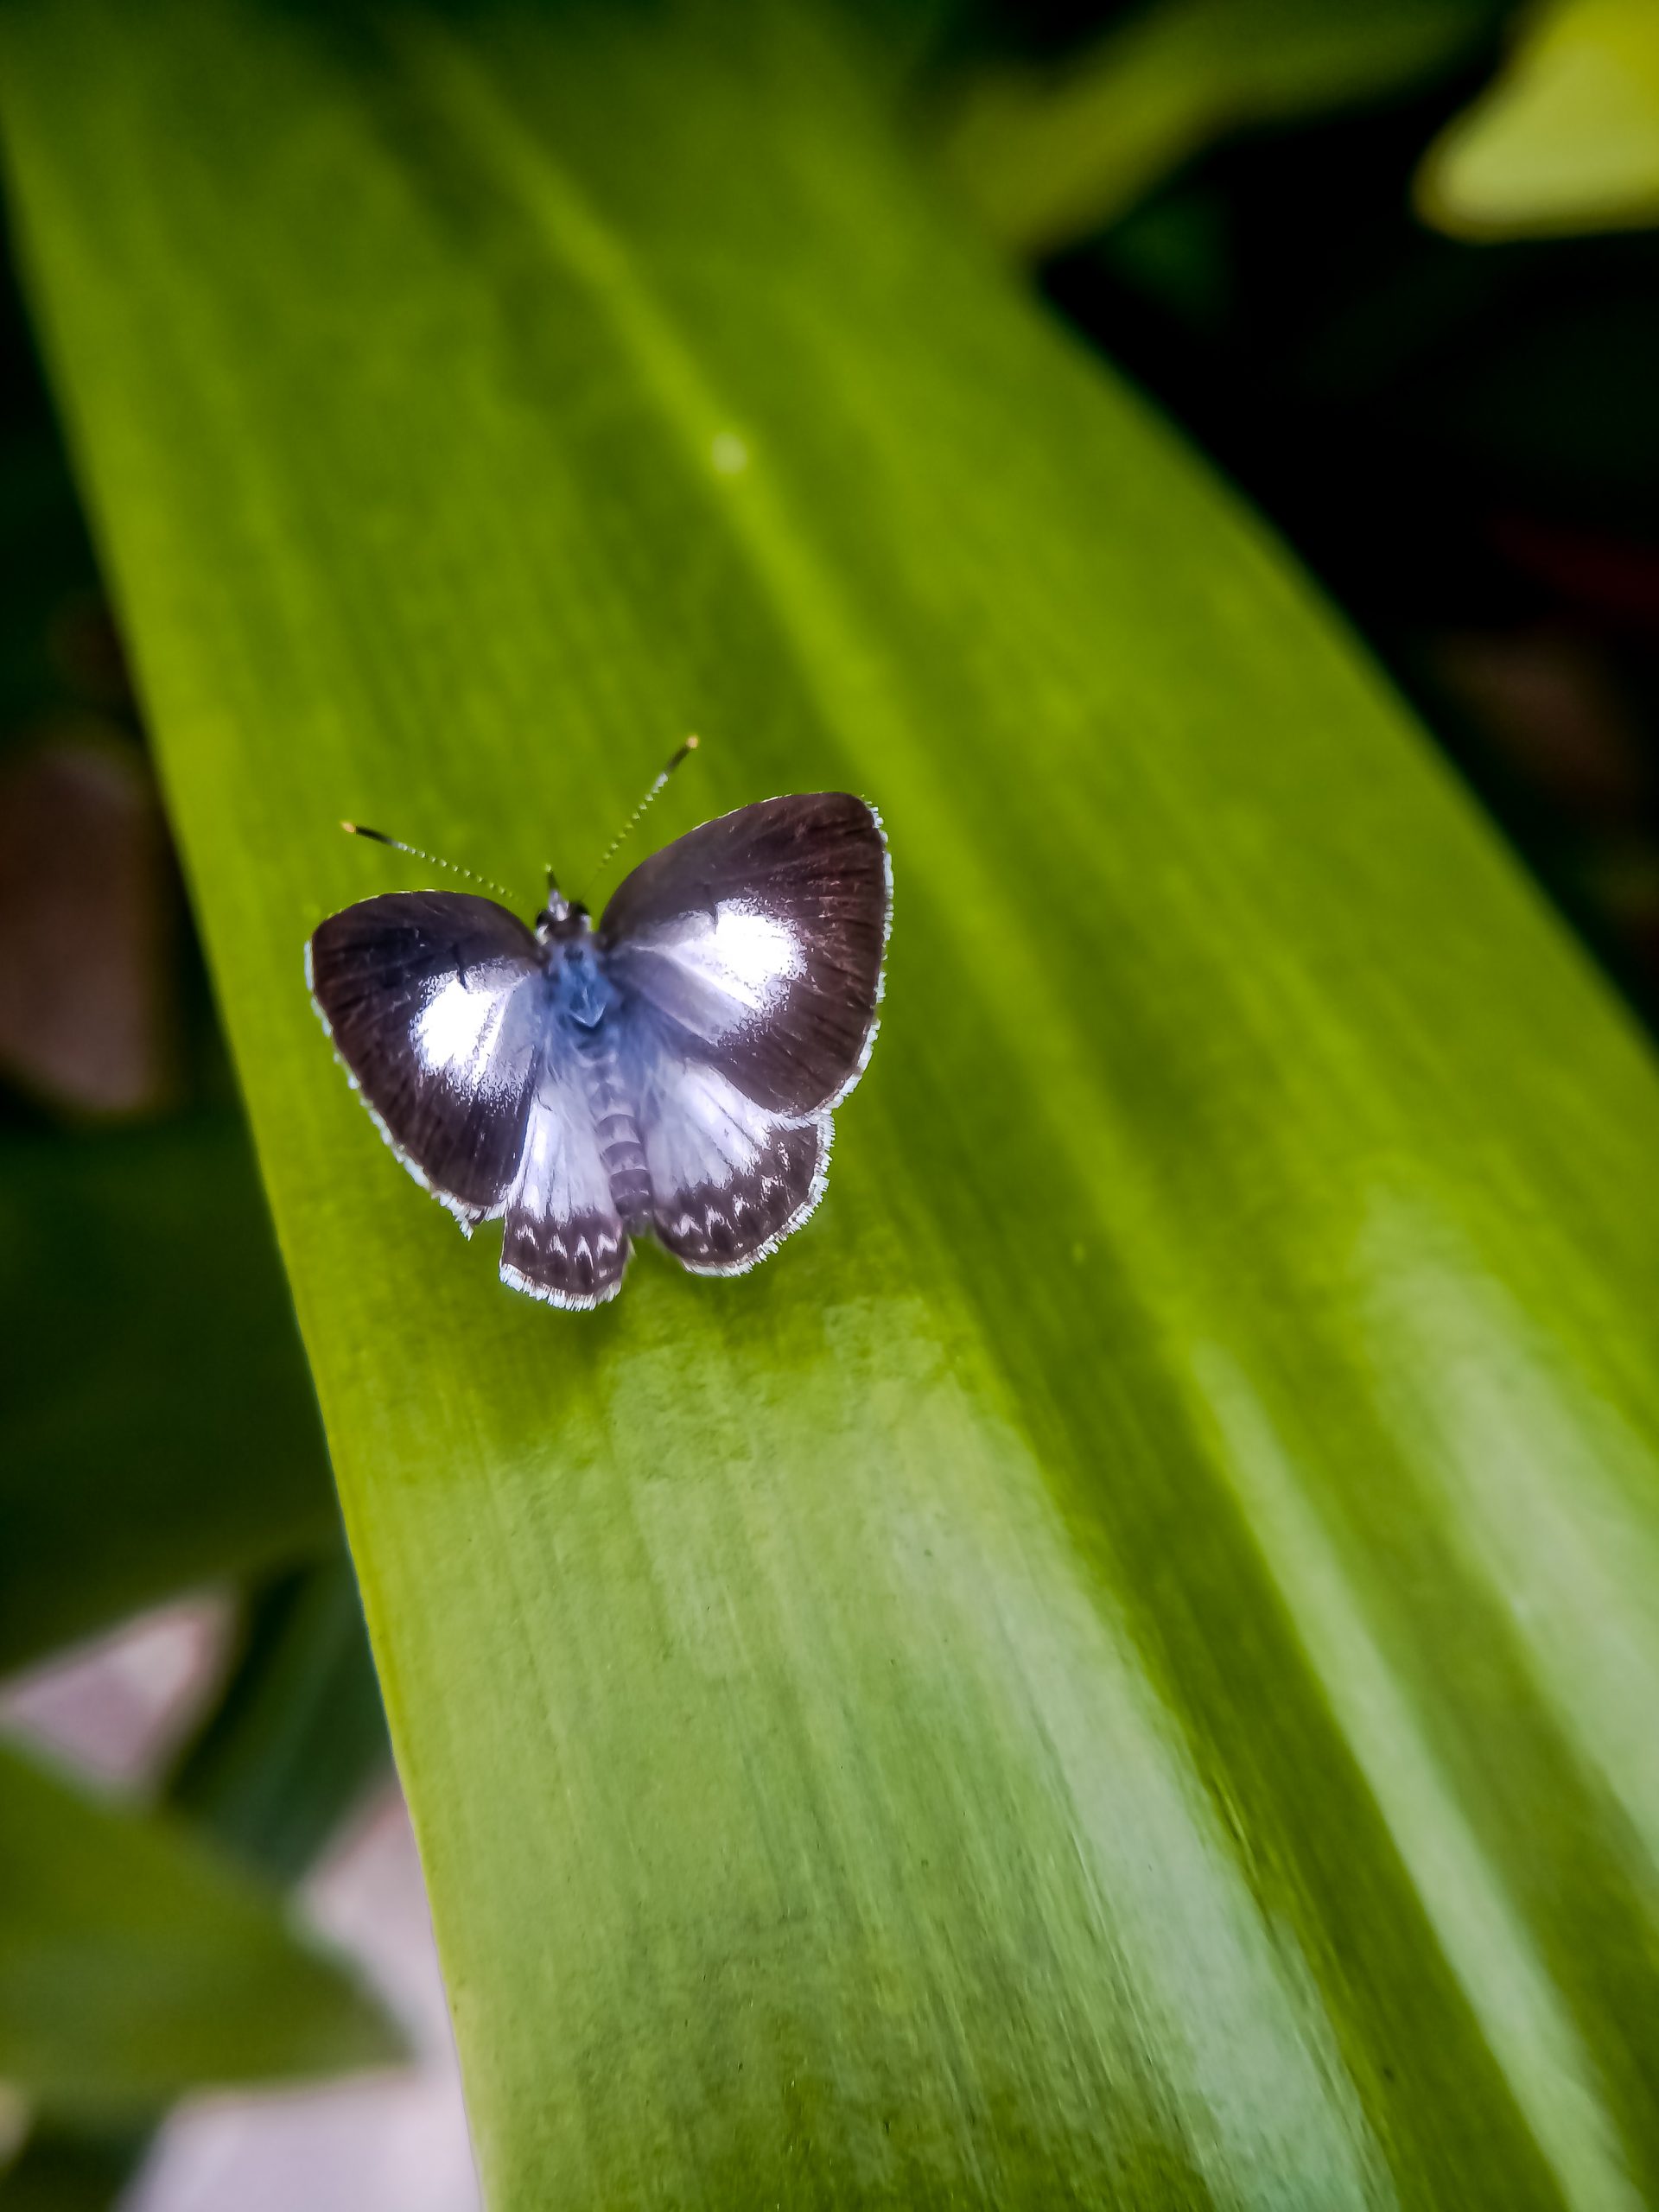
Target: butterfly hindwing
x,y
432,999
749,958
729,1179
757,941
563,1241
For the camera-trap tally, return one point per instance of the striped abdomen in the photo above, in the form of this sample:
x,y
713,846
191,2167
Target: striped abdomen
x,y
619,1147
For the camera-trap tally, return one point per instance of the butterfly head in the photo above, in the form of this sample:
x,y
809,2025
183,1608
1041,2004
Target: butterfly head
x,y
562,921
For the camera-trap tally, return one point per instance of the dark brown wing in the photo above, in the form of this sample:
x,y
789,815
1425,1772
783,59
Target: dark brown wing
x,y
757,942
434,1000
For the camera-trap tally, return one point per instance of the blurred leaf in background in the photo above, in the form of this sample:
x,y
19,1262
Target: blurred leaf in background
x,y
135,1962
285,1752
158,1431
158,1428
1048,149
1566,140
1459,440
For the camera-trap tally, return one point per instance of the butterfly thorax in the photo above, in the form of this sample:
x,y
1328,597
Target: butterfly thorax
x,y
582,994
580,990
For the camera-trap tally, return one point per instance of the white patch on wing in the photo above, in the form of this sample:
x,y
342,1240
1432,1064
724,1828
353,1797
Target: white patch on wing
x,y
467,1216
698,1127
456,1032
739,963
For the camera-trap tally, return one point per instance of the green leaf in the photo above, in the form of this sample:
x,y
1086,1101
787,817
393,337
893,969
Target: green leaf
x,y
1566,141
1046,153
157,1427
1119,1668
299,1730
135,1963
294,1739
78,2169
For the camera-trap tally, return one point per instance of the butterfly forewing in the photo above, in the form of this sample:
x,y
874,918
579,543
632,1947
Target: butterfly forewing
x,y
433,1000
749,954
757,941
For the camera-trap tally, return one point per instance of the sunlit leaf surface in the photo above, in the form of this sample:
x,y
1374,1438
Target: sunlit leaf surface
x,y
1120,1668
1566,140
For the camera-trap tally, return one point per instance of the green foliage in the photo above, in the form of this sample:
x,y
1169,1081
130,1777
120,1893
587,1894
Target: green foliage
x,y
158,1428
299,1730
290,1745
1046,153
134,1963
1566,140
71,2169
1119,1668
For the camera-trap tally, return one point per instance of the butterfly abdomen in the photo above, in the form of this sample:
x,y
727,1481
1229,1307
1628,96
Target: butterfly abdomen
x,y
617,1129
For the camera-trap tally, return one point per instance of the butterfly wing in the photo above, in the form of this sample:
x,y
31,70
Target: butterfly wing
x,y
729,1178
758,941
434,1002
749,958
563,1240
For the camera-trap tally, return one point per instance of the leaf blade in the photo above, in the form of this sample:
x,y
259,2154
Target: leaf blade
x,y
837,1715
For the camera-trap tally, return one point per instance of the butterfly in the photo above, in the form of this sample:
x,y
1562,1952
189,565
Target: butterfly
x,y
669,1071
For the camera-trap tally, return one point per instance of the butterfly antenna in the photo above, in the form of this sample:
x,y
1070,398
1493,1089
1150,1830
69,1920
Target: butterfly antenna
x,y
433,860
604,858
